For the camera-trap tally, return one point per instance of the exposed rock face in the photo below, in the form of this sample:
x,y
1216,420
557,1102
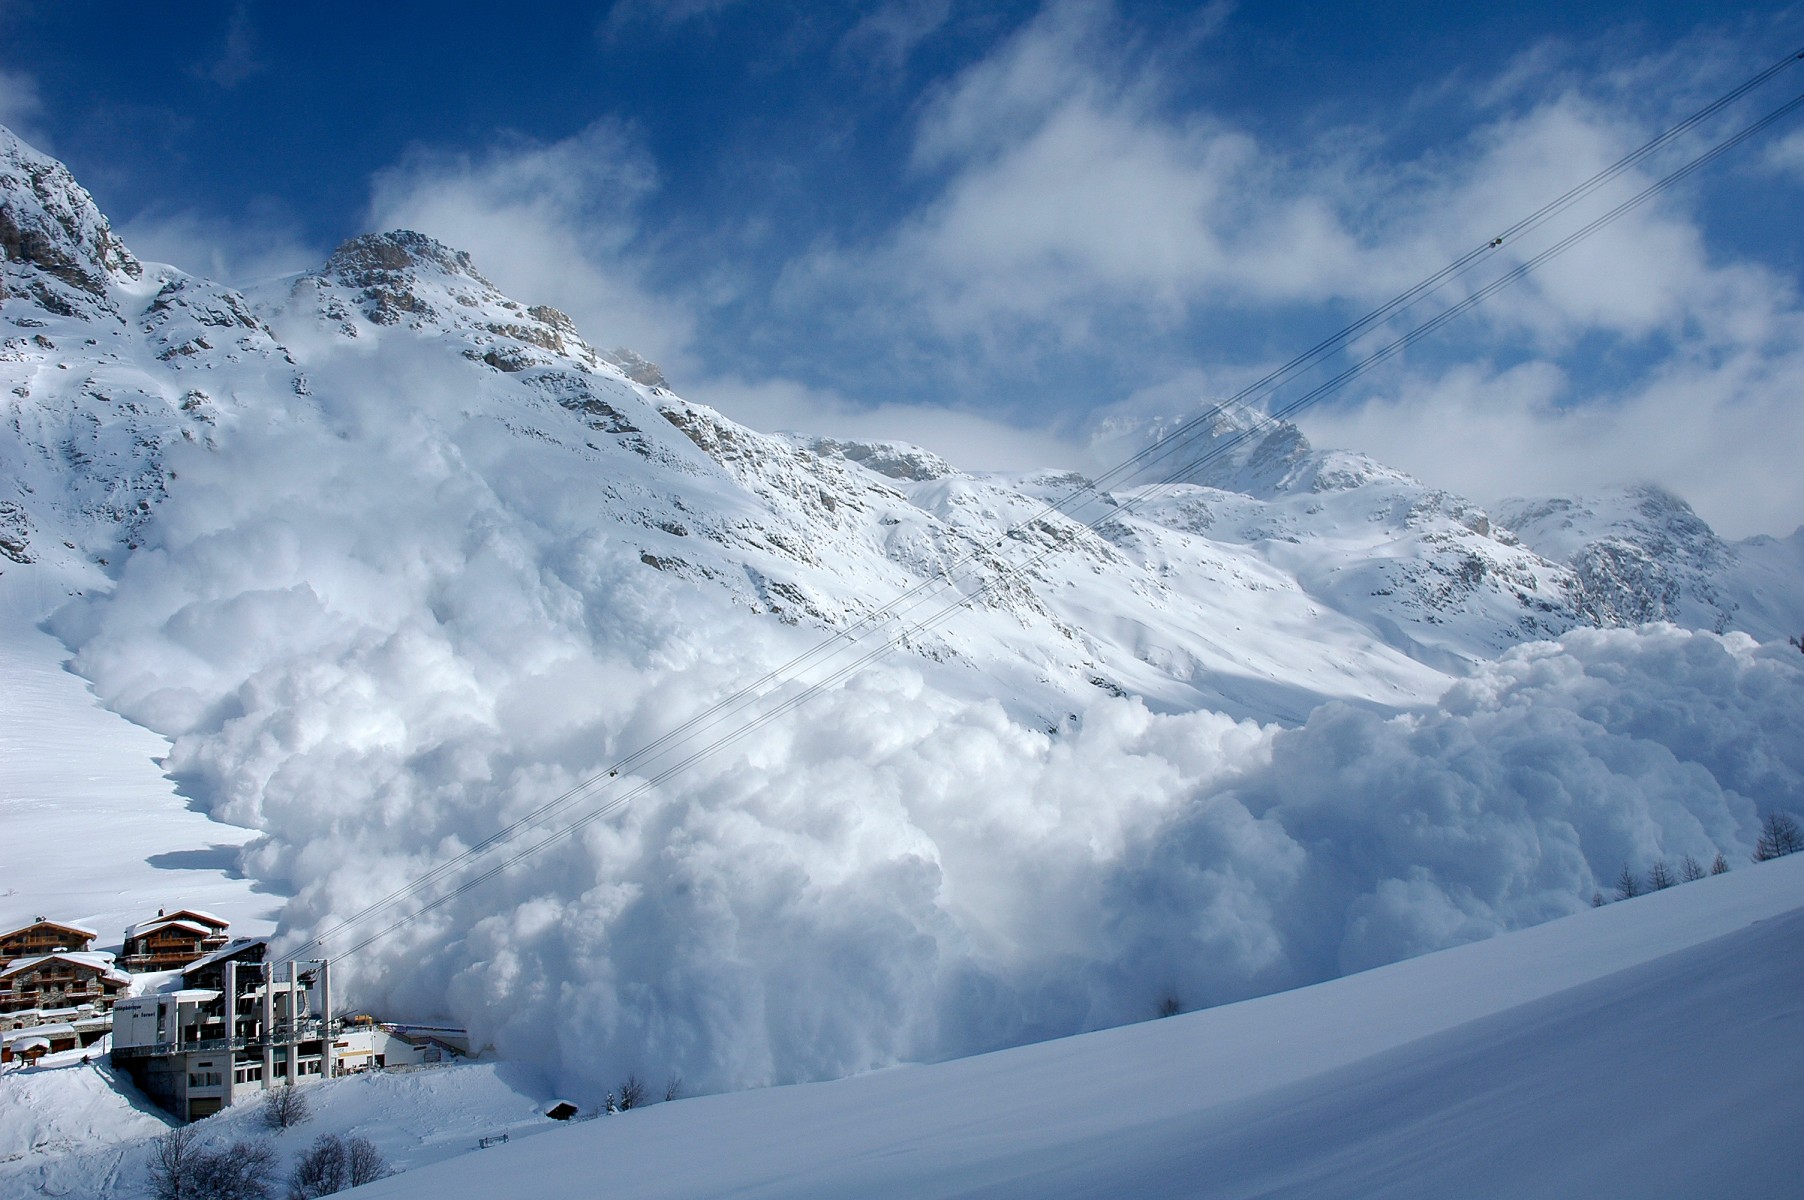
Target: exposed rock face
x,y
383,269
1638,554
634,367
56,246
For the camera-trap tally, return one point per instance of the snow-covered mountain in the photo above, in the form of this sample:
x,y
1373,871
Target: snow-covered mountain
x,y
394,559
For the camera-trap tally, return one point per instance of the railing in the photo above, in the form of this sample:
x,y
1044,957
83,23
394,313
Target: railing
x,y
288,1033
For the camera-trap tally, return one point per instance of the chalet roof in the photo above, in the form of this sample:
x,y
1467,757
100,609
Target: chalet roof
x,y
200,916
92,959
232,949
72,928
145,928
16,1036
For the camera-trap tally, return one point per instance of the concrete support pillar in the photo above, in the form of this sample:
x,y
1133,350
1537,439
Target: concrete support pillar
x,y
269,1024
325,1013
293,1072
231,1028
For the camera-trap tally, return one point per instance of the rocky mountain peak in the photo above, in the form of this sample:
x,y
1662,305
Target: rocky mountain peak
x,y
393,271
56,246
382,257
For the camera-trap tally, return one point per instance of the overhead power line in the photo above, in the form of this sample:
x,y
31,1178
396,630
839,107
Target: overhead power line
x,y
1172,445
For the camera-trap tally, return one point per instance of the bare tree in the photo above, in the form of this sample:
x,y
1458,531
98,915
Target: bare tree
x,y
172,1159
240,1171
366,1162
1659,878
1628,886
1779,836
632,1093
1597,900
673,1087
284,1107
322,1170
1169,1006
1720,866
1690,870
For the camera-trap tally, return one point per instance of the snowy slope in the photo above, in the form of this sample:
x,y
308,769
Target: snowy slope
x,y
93,830
391,560
81,1130
1643,1049
1640,554
1639,1049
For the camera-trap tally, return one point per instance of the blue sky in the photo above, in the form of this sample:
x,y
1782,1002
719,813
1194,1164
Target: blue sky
x,y
982,226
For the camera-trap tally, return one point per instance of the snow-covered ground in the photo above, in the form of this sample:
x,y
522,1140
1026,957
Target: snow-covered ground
x,y
91,830
1648,1048
82,1131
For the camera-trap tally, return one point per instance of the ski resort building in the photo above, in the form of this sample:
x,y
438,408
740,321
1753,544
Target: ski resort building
x,y
171,941
64,979
44,936
241,1024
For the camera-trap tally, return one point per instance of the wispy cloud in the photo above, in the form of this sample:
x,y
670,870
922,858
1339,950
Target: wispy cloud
x,y
551,223
238,60
22,108
239,249
884,38
1078,234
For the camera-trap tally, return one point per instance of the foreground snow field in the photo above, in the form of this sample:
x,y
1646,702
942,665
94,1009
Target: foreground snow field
x,y
1650,1048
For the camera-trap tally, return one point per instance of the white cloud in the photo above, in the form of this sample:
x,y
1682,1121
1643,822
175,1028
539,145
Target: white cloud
x,y
968,440
1722,434
1065,190
550,223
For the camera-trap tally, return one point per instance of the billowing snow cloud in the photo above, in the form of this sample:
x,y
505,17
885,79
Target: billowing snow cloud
x,y
379,631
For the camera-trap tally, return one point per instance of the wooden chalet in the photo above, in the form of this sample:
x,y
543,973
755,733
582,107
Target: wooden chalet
x,y
172,940
29,1045
44,936
61,980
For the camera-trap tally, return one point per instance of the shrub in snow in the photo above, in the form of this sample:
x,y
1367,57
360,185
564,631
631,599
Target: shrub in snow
x,y
240,1171
284,1108
172,1159
182,1169
333,1164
